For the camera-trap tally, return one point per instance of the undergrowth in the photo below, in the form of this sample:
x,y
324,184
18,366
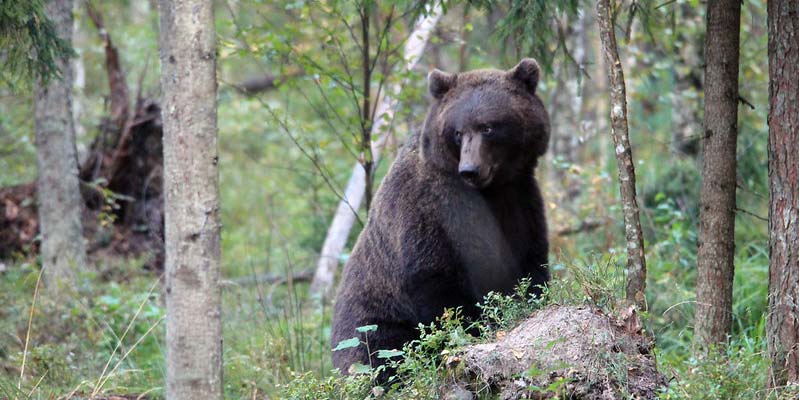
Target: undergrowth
x,y
110,340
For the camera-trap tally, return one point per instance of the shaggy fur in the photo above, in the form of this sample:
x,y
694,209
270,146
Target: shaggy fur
x,y
458,215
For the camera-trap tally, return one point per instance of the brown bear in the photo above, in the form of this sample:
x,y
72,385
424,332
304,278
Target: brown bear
x,y
458,215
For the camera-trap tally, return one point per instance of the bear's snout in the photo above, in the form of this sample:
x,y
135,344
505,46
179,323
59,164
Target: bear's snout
x,y
470,173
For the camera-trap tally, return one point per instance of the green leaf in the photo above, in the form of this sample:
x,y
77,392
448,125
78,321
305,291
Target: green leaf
x,y
347,344
390,353
534,372
367,328
359,368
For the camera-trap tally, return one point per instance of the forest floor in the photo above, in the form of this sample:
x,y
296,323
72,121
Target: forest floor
x,y
108,344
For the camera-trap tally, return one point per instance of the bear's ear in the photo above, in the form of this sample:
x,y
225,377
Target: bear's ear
x,y
440,83
527,73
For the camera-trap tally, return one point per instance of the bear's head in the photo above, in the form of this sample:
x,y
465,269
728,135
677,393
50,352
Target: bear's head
x,y
487,126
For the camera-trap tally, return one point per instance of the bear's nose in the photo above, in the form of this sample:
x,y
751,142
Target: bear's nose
x,y
469,172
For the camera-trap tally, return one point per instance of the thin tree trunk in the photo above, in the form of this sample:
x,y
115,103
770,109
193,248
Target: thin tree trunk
x,y
712,323
191,177
686,123
637,269
58,192
367,156
463,47
118,87
345,216
78,99
782,324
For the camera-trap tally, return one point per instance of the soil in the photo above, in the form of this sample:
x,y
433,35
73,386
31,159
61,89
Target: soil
x,y
566,352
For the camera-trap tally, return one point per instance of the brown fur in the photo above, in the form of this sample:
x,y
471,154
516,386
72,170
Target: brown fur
x,y
458,215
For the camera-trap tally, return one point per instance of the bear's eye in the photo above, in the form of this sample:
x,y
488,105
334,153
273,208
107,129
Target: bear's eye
x,y
487,130
457,136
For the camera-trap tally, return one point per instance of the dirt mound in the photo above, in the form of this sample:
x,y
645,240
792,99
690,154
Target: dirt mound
x,y
568,352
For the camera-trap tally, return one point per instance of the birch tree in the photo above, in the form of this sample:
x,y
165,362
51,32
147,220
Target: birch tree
x,y
637,269
714,287
782,324
191,185
63,251
345,216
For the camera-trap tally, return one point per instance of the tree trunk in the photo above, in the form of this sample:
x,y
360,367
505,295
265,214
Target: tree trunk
x,y
637,269
782,324
58,189
712,322
686,126
345,216
191,179
367,157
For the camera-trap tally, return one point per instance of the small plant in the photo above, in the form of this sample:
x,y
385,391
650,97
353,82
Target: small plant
x,y
354,341
110,201
501,312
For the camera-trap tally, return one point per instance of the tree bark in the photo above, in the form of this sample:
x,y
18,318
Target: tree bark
x,y
345,216
686,118
712,323
191,179
367,160
782,323
637,269
118,87
58,189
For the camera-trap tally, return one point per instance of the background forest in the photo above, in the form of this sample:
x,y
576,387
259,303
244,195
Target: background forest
x,y
292,131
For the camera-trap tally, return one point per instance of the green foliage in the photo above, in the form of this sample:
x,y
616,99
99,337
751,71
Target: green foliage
x,y
534,26
735,371
30,43
598,280
499,311
108,340
308,386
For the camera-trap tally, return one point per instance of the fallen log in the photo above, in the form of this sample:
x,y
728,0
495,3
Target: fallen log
x,y
567,352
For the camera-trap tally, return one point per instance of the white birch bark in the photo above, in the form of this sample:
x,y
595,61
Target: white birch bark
x,y
345,216
191,186
58,194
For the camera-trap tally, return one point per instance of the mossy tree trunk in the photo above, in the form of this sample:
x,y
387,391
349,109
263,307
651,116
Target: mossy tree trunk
x,y
191,183
714,290
63,250
782,324
634,242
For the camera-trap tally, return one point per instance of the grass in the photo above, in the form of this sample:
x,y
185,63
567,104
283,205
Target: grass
x,y
276,339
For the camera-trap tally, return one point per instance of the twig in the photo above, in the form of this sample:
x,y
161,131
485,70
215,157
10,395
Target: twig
x,y
124,356
752,214
302,276
28,332
30,394
585,226
676,305
747,103
666,3
124,334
